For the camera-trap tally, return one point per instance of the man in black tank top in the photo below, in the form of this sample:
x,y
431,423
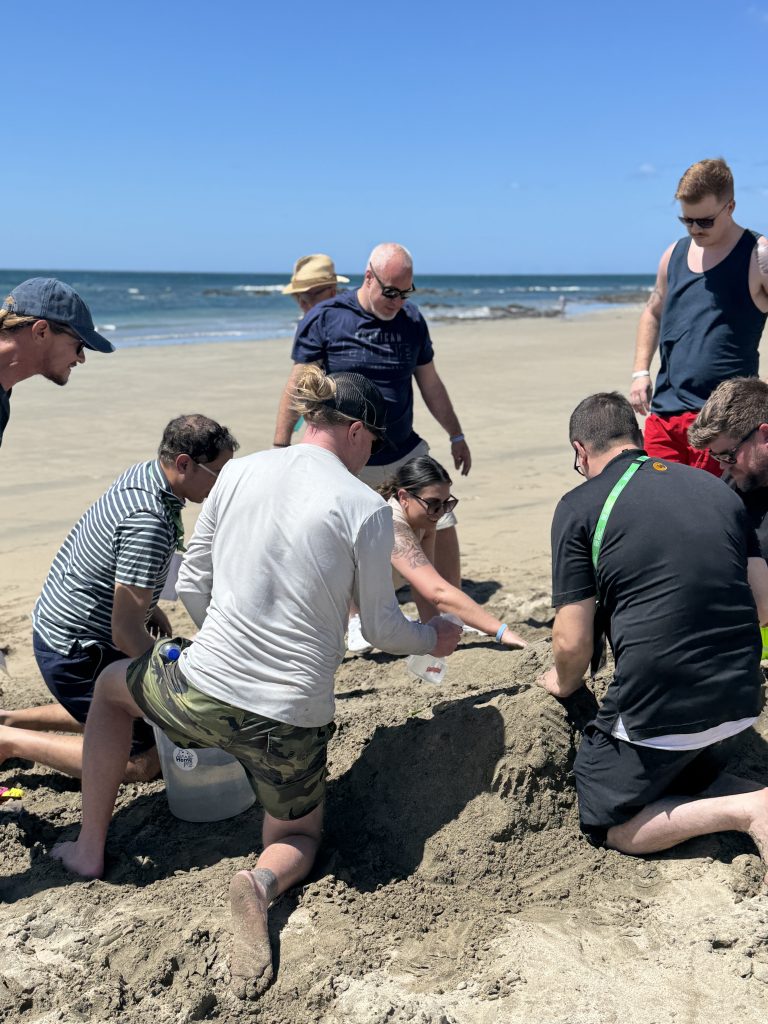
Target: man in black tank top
x,y
705,315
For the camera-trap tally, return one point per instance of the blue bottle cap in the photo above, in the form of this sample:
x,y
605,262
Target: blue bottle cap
x,y
172,653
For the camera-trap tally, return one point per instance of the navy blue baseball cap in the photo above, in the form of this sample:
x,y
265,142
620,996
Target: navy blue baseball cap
x,y
49,299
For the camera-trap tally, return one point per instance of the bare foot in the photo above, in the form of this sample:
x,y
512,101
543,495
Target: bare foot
x,y
758,825
251,965
77,861
6,717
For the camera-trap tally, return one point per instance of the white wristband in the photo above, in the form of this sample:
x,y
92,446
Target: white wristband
x,y
641,373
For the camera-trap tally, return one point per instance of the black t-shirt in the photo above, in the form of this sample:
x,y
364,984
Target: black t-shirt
x,y
756,504
5,409
672,580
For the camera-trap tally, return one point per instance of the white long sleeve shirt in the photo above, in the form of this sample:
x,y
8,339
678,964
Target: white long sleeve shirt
x,y
285,541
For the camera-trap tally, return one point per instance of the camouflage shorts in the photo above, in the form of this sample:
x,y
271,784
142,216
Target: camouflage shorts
x,y
285,764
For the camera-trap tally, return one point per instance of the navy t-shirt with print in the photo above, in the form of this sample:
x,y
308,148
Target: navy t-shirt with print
x,y
343,337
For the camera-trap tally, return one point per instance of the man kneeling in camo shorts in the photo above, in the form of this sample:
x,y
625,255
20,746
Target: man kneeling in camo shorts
x,y
288,538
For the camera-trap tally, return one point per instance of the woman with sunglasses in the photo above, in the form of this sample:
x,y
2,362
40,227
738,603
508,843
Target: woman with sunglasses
x,y
419,494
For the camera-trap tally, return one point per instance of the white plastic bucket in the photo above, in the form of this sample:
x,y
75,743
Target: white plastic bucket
x,y
202,785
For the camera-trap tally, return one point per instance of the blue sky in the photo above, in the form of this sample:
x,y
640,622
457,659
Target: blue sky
x,y
489,138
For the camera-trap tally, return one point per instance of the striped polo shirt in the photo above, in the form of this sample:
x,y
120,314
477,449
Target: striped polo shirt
x,y
127,536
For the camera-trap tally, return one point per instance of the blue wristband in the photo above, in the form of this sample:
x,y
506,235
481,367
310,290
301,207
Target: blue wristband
x,y
456,438
502,628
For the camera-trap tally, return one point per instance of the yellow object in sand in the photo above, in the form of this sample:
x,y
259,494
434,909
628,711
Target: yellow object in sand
x,y
11,794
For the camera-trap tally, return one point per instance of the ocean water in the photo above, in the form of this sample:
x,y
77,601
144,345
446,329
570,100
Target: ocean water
x,y
137,308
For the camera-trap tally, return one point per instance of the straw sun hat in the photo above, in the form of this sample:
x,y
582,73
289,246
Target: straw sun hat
x,y
313,272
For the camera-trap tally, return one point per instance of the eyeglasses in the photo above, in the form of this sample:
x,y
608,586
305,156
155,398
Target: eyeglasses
x,y
702,222
728,458
388,291
576,465
201,465
433,506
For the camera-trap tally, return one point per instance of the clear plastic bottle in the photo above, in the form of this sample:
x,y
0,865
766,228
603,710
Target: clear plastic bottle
x,y
426,666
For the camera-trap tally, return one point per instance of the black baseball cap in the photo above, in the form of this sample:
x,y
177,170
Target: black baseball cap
x,y
359,399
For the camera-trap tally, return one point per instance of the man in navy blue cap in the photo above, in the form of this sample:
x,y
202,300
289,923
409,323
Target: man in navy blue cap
x,y
44,328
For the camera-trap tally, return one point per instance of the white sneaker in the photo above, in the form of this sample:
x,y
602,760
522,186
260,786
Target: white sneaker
x,y
356,642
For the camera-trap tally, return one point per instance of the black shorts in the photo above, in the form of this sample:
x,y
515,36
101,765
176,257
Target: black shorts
x,y
615,779
71,678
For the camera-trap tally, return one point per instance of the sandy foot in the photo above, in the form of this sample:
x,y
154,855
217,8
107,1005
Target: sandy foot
x,y
758,825
75,860
251,965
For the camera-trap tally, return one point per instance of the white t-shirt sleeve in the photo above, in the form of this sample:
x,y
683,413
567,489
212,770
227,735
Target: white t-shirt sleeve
x,y
195,583
382,622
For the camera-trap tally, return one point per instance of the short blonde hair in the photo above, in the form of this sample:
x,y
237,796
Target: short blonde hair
x,y
706,178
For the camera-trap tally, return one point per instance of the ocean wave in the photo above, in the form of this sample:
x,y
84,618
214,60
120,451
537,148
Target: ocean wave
x,y
510,312
239,290
106,327
134,291
259,288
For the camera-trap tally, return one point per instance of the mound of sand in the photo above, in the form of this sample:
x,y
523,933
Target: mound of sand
x,y
453,886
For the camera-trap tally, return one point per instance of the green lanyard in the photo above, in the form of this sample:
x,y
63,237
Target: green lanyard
x,y
610,501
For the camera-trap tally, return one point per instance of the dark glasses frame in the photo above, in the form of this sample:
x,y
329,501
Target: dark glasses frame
x,y
389,291
728,458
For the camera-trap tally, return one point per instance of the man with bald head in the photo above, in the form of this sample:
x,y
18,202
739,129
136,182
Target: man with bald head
x,y
375,331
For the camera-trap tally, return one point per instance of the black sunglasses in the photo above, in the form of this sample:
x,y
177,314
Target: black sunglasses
x,y
728,458
388,291
702,222
433,506
576,465
61,329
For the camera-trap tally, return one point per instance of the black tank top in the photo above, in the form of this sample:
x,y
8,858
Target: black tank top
x,y
710,328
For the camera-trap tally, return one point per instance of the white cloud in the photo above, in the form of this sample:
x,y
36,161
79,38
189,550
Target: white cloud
x,y
758,14
646,170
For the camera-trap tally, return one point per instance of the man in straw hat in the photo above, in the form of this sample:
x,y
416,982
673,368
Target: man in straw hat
x,y
286,540
314,279
44,328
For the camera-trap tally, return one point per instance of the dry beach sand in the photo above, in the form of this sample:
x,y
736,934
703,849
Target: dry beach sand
x,y
453,886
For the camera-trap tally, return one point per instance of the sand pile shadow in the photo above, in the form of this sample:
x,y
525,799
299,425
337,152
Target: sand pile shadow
x,y
478,794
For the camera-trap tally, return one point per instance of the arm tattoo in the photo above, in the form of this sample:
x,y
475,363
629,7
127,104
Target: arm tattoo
x,y
654,298
407,547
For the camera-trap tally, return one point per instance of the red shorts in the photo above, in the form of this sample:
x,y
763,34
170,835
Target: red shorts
x,y
666,437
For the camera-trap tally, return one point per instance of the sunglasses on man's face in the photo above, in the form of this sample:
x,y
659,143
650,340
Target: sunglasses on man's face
x,y
390,292
702,222
61,329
